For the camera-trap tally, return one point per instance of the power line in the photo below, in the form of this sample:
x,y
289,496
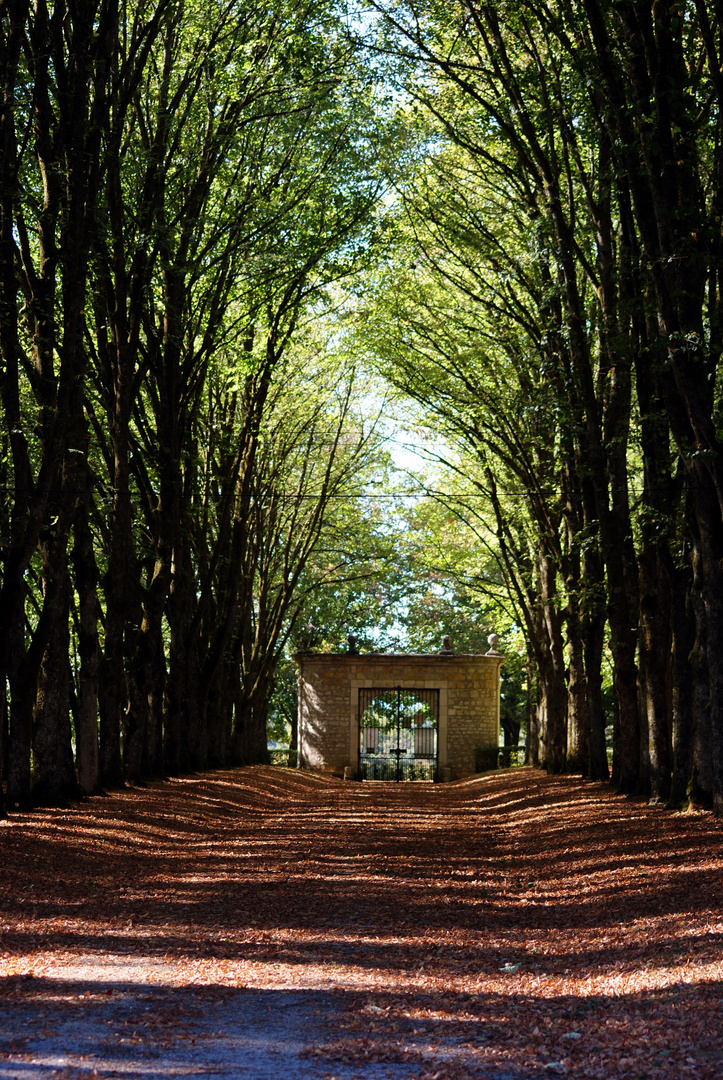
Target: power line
x,y
109,492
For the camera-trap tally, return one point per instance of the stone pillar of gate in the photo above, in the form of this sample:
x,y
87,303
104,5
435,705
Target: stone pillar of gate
x,y
469,712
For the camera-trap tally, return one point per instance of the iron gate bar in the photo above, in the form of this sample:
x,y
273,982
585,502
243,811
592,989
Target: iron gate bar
x,y
402,715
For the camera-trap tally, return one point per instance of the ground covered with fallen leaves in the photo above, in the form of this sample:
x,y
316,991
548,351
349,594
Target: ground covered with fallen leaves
x,y
262,922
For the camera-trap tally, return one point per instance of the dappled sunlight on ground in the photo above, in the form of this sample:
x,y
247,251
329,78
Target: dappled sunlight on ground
x,y
512,925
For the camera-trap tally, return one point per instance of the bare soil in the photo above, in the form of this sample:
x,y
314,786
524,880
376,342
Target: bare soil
x,y
269,925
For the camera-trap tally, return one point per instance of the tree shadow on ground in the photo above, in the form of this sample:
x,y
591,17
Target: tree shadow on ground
x,y
516,900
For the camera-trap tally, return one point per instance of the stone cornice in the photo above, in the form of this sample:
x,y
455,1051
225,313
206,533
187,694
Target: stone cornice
x,y
399,658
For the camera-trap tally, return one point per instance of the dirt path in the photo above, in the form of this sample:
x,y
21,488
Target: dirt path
x,y
262,924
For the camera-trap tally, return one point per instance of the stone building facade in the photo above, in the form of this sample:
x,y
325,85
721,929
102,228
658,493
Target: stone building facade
x,y
469,706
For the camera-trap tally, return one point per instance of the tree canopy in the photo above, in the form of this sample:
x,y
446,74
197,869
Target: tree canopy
x,y
232,241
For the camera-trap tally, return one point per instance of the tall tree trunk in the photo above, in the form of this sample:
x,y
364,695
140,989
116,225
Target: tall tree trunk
x,y
54,780
294,735
615,769
711,547
626,740
176,689
171,540
250,725
656,567
156,694
577,717
622,608
195,708
21,680
532,735
136,720
113,698
700,787
655,646
220,713
258,748
554,688
594,642
86,711
644,751
683,643
3,742
147,677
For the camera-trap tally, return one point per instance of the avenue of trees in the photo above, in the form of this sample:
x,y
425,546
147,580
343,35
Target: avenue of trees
x,y
215,220
554,302
185,189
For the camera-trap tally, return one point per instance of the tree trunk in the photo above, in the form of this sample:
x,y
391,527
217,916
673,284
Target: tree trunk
x,y
194,712
615,770
3,741
711,544
251,714
152,764
86,711
54,780
644,750
137,720
700,787
251,727
220,713
113,698
655,565
21,683
175,689
626,739
655,646
594,641
577,717
294,736
554,688
22,692
532,736
149,669
175,751
551,716
258,747
683,641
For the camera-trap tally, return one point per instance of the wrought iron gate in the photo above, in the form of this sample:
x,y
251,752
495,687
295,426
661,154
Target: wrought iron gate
x,y
398,734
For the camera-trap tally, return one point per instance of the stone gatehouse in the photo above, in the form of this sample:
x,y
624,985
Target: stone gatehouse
x,y
455,697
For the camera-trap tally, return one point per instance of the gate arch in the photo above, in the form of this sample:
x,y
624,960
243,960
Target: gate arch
x,y
398,733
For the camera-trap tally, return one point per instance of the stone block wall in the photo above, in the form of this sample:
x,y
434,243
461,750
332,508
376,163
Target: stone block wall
x,y
469,696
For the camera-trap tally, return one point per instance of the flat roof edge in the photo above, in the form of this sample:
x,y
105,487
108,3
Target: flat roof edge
x,y
401,657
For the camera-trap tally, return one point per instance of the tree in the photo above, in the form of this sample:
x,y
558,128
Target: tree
x,y
619,177
224,179
61,89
